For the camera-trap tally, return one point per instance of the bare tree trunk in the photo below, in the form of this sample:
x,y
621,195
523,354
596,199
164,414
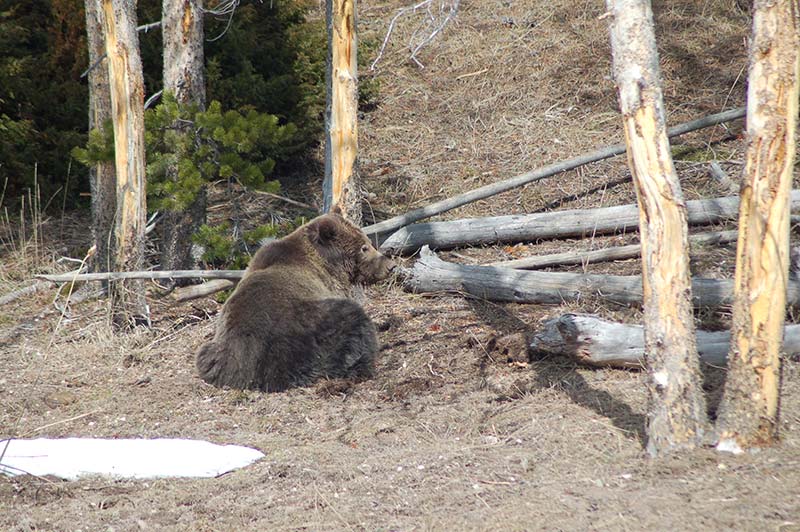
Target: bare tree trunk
x,y
128,304
183,76
102,177
749,409
677,413
342,186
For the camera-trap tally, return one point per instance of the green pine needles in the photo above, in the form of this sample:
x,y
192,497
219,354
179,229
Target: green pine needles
x,y
187,148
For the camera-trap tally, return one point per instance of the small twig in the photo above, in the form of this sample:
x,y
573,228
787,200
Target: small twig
x,y
439,27
223,8
150,226
147,27
453,4
59,422
286,200
329,505
89,254
153,98
478,73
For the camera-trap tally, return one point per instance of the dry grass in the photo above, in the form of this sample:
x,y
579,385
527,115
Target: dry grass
x,y
448,436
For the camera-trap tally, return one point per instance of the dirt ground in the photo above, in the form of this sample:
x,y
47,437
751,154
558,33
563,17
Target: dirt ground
x,y
448,435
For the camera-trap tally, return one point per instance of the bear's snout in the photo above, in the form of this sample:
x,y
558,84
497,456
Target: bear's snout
x,y
376,267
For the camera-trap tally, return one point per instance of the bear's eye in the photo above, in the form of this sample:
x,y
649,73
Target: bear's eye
x,y
364,248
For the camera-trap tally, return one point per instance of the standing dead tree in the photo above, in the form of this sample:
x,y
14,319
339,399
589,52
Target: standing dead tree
x,y
342,186
749,408
184,78
102,177
677,412
128,304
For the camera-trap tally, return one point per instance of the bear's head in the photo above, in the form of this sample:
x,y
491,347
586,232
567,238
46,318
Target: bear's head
x,y
346,250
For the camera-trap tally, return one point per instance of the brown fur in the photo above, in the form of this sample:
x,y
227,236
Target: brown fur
x,y
290,320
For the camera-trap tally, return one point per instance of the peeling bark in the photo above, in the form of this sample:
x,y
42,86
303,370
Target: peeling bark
x,y
677,412
749,408
342,186
102,176
126,83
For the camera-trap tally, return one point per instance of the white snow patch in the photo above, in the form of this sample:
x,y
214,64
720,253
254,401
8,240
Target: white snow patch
x,y
661,378
729,445
72,458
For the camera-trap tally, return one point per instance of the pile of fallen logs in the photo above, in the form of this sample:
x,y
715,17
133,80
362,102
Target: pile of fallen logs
x,y
585,339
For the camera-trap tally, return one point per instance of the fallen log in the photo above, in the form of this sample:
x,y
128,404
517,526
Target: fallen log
x,y
430,274
187,293
606,254
595,342
169,274
535,175
556,224
23,292
722,178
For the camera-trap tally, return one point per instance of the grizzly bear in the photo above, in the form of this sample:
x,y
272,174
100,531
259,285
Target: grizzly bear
x,y
290,320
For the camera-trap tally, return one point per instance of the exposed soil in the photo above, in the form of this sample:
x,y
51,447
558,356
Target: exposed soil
x,y
449,435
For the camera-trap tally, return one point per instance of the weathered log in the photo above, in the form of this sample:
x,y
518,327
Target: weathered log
x,y
529,177
23,292
607,254
722,178
187,293
173,274
556,224
431,274
595,342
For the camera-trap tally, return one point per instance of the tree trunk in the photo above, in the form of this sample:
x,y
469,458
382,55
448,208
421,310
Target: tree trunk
x,y
183,77
342,186
102,176
749,409
677,413
128,304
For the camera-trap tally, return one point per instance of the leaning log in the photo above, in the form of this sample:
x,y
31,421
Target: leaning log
x,y
607,254
430,274
595,342
556,224
492,189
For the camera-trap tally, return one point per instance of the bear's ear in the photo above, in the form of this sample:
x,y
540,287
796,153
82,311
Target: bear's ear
x,y
336,210
323,231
